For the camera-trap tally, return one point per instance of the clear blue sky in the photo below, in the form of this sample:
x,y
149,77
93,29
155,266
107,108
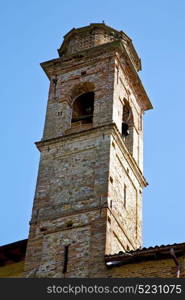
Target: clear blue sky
x,y
31,32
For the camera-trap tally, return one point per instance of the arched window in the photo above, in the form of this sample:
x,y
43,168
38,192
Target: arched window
x,y
83,107
125,120
127,126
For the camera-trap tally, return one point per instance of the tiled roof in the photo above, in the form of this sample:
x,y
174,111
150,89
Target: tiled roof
x,y
144,254
13,252
16,252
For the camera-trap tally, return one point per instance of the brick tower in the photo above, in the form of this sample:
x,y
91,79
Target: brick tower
x,y
88,199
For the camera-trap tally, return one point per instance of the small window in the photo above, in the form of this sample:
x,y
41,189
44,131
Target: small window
x,y
66,250
111,179
125,196
55,81
43,229
141,121
117,74
69,224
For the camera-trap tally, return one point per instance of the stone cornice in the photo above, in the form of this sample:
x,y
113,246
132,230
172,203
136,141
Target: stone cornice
x,y
77,58
44,144
130,159
54,66
135,82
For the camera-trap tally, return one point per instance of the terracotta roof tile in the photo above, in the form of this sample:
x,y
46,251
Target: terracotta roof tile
x,y
143,254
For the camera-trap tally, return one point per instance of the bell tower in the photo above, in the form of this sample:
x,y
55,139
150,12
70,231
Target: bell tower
x,y
88,198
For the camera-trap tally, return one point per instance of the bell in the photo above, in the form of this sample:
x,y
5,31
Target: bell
x,y
125,130
89,109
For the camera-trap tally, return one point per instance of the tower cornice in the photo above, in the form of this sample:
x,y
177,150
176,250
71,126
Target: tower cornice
x,y
52,67
106,128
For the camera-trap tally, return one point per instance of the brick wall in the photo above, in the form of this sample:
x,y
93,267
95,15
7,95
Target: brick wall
x,y
79,198
163,268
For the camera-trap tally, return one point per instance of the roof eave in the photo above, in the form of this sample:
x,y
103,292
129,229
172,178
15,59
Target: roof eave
x,y
152,253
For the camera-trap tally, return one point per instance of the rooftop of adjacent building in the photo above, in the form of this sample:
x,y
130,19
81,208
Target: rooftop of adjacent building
x,y
15,252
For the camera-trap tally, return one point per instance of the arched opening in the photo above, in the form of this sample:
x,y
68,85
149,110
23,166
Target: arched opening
x,y
127,126
83,107
125,120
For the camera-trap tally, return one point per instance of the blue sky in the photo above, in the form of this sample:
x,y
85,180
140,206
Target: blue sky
x,y
31,32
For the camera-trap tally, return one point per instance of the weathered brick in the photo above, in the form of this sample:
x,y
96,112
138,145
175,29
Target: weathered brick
x,y
79,198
